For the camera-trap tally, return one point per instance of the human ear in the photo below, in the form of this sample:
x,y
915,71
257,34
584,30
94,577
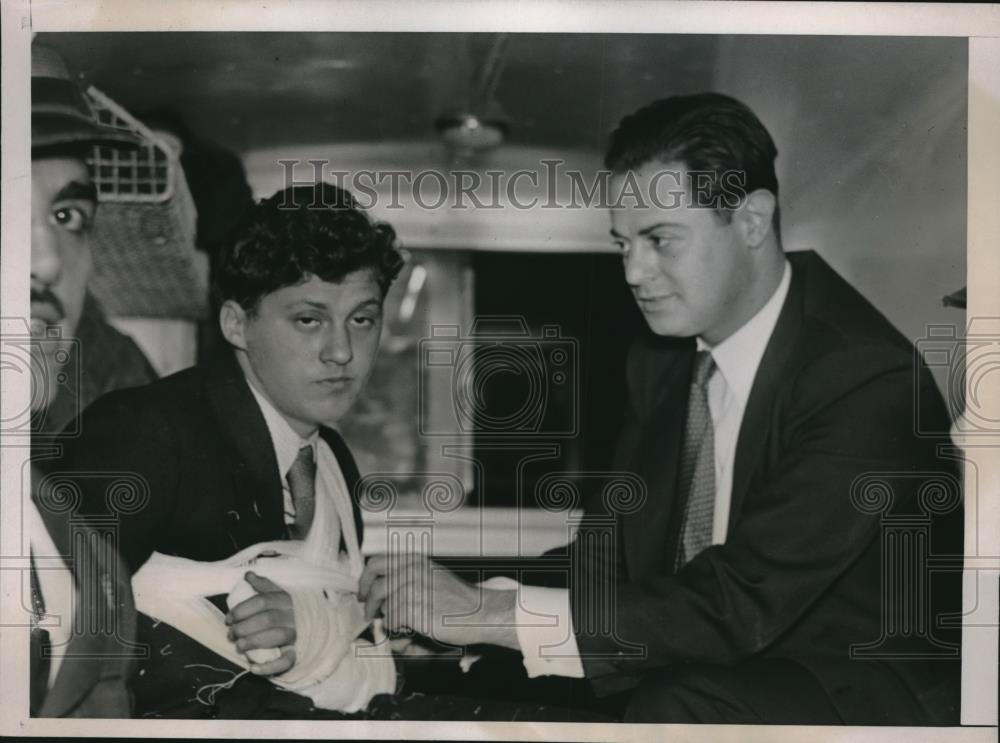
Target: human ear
x,y
233,321
754,216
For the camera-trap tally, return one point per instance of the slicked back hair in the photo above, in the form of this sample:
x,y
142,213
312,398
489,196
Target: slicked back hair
x,y
708,133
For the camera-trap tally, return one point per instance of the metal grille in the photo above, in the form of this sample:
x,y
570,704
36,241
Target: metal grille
x,y
145,262
140,175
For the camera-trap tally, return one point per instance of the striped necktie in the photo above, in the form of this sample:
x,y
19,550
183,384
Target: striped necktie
x,y
697,468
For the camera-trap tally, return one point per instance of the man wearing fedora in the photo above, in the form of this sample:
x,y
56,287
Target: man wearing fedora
x,y
65,318
78,667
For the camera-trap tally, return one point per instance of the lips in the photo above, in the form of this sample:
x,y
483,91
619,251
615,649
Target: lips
x,y
44,316
336,383
45,306
654,301
47,312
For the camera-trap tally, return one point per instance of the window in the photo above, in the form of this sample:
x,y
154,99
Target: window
x,y
497,371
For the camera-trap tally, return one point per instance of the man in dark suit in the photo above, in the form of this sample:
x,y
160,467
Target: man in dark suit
x,y
758,575
82,642
241,450
78,663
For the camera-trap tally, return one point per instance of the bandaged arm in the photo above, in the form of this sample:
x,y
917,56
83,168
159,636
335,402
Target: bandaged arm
x,y
331,667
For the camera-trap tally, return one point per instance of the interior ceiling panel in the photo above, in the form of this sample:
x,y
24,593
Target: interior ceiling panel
x,y
263,89
256,90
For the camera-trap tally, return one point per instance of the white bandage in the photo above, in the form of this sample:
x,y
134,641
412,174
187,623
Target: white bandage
x,y
333,668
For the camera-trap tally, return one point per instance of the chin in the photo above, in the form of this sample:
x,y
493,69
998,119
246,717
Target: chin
x,y
331,413
670,326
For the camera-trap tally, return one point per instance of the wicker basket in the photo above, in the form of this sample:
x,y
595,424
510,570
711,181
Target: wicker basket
x,y
145,262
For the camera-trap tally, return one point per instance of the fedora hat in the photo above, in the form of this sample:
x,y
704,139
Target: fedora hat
x,y
61,116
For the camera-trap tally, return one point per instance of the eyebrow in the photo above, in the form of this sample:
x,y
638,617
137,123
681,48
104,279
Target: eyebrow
x,y
77,191
367,303
308,303
325,307
651,228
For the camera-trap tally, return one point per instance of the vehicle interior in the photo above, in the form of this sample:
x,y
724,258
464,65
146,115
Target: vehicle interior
x,y
501,449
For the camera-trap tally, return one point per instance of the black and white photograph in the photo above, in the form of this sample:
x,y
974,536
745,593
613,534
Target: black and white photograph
x,y
377,371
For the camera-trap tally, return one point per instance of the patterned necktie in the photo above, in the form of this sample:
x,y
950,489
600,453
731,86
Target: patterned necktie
x,y
302,482
697,468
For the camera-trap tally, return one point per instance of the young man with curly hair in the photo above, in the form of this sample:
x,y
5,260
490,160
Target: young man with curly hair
x,y
240,456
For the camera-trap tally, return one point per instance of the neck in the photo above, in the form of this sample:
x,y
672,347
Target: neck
x,y
766,276
302,429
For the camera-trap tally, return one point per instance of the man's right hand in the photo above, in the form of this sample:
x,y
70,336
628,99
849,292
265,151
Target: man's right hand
x,y
434,602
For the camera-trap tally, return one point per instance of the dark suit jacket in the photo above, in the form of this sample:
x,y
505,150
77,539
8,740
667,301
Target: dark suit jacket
x,y
801,572
201,482
91,680
99,658
106,359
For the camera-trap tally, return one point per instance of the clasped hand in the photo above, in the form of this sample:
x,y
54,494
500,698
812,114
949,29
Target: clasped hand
x,y
265,620
413,593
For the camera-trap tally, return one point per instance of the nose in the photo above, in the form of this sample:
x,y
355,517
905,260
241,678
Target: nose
x,y
639,264
337,347
46,264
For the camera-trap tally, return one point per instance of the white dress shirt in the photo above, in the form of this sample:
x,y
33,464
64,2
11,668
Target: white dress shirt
x,y
543,619
319,614
737,359
287,444
56,584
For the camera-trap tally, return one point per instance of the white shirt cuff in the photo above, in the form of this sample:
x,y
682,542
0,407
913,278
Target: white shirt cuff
x,y
545,632
544,626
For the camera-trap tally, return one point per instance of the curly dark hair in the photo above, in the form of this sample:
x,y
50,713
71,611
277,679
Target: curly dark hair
x,y
709,133
302,231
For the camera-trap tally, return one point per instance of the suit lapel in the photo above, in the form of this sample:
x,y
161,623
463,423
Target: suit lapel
x,y
242,425
651,532
771,375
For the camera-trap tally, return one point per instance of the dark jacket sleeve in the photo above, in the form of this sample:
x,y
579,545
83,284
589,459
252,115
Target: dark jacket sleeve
x,y
845,415
122,469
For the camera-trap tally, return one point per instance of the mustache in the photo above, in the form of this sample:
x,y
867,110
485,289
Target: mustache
x,y
45,296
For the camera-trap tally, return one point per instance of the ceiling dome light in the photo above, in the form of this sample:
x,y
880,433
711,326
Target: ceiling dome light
x,y
469,132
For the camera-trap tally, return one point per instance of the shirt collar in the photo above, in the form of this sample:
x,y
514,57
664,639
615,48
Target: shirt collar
x,y
738,357
285,440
